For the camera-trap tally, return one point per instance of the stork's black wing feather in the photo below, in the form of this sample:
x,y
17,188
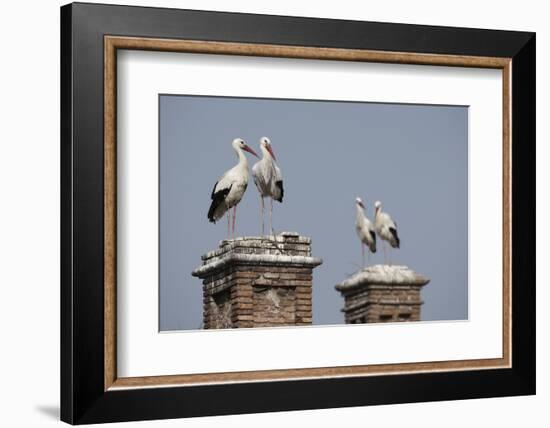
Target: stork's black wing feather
x,y
372,247
217,198
279,185
373,235
214,190
395,237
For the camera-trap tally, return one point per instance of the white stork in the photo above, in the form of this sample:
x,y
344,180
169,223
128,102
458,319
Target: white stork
x,y
385,227
230,187
365,229
268,179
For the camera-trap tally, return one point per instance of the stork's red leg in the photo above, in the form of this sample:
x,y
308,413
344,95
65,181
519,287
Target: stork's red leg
x,y
228,215
262,213
271,215
234,219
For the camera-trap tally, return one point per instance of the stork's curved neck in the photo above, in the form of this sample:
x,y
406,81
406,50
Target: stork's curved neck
x,y
360,212
243,162
266,154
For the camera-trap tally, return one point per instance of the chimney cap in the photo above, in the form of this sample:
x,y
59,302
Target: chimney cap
x,y
383,275
284,249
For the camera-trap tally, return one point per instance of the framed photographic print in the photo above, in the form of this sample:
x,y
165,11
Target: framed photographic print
x,y
265,213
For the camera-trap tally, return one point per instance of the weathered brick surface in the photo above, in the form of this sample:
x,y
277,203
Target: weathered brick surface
x,y
258,282
382,294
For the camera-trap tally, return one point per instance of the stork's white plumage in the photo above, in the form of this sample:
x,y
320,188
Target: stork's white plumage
x,y
268,179
365,229
385,226
230,187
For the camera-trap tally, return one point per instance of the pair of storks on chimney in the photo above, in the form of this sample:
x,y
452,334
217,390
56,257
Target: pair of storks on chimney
x,y
229,190
383,226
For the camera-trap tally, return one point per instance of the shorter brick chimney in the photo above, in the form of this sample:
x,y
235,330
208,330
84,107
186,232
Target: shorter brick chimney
x,y
382,293
260,281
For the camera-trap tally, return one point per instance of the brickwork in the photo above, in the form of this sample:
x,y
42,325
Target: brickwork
x,y
258,282
382,293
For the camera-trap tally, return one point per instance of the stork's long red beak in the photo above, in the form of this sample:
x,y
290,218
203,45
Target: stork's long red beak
x,y
270,150
249,150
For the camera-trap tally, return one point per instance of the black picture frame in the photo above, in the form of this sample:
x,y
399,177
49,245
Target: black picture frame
x,y
83,399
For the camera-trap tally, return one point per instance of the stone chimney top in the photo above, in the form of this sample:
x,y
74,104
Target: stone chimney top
x,y
382,275
273,250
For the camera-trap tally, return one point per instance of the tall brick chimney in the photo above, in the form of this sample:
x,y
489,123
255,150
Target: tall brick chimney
x,y
382,293
258,282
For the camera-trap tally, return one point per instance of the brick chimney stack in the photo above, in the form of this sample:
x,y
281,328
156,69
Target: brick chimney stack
x,y
258,282
382,293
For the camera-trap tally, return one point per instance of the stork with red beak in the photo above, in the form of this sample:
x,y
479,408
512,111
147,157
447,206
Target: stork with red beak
x,y
268,180
229,189
364,228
